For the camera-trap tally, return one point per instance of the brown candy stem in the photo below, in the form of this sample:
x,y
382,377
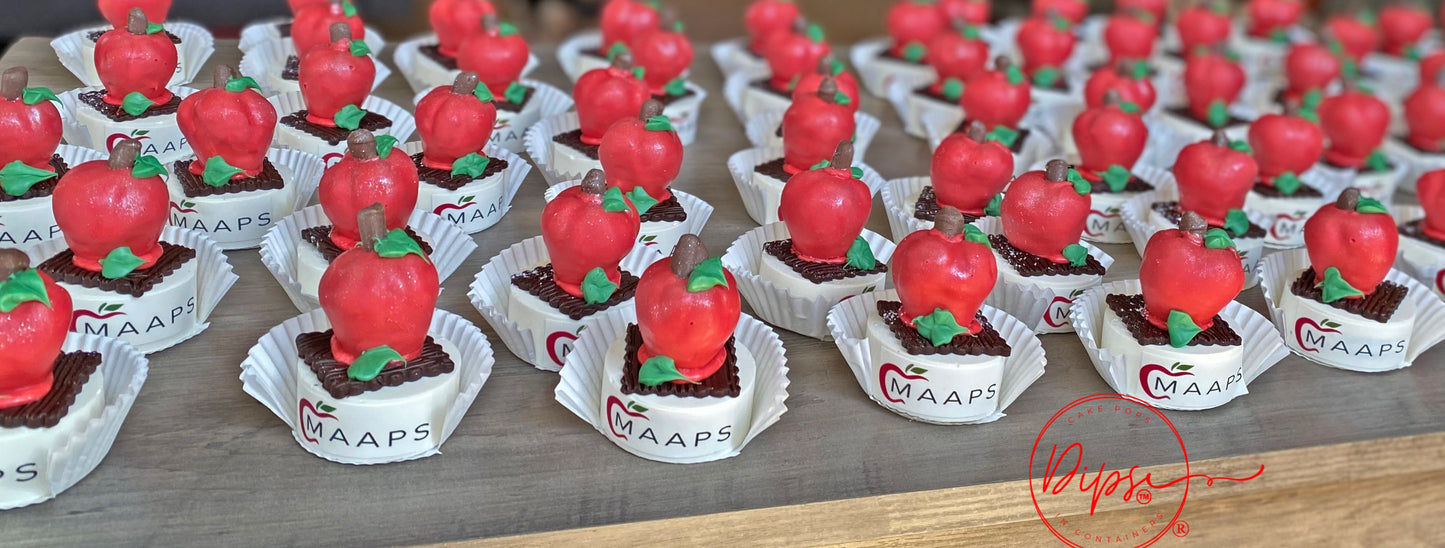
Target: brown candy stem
x,y
223,76
1190,222
12,261
1056,171
1291,106
949,220
1349,199
976,131
490,23
651,108
135,21
958,24
1111,98
623,61
843,155
371,223
1219,139
666,19
800,25
1002,63
124,154
361,144
825,64
595,182
466,83
12,83
828,90
687,255
340,31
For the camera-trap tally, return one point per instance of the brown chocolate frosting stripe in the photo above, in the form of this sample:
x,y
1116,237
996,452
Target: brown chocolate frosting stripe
x,y
816,272
774,168
1170,211
194,186
987,342
334,135
926,208
1135,184
96,100
1416,229
442,178
292,69
1030,265
670,99
766,86
136,284
320,237
725,383
42,188
1379,306
314,349
1130,309
434,52
538,282
573,140
72,370
1269,191
666,211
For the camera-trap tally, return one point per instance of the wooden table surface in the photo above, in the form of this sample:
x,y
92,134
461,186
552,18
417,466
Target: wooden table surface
x,y
200,462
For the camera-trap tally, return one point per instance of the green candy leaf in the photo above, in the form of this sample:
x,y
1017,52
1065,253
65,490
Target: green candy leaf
x,y
370,363
821,165
359,48
676,87
1059,23
658,123
484,94
1279,36
678,27
1015,75
1217,238
1076,254
617,48
218,172
348,9
1311,99
1287,183
860,256
1139,71
660,369
707,275
135,104
397,244
1046,77
815,34
472,165
1117,177
155,28
974,234
939,327
1335,287
515,93
1081,185
1349,70
22,287
1367,16
612,200
837,67
995,204
856,172
31,96
639,72
952,89
1130,108
148,166
506,29
596,288
842,98
349,117
641,199
914,52
1004,135
1182,329
970,32
1241,146
1218,114
241,83
1370,205
1377,161
1236,222
384,145
119,263
17,177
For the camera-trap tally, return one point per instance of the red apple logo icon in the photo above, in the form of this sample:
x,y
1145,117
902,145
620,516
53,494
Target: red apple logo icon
x,y
559,344
331,158
463,203
320,410
1057,314
630,409
138,134
1283,221
1144,372
184,207
1299,331
103,312
1439,280
912,373
1107,218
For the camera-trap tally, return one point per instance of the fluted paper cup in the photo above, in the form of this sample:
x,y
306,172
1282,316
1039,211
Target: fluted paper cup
x,y
269,374
403,124
30,222
490,295
1136,220
759,205
580,387
897,93
899,197
517,170
408,55
763,131
1426,267
735,88
450,246
1261,344
268,59
305,174
511,128
732,56
698,213
1034,305
265,31
76,133
77,52
538,143
848,322
1419,163
874,78
569,52
776,305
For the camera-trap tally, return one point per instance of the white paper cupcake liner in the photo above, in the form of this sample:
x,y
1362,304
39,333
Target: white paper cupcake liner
x,y
1169,140
490,295
40,218
269,373
848,322
1037,147
407,54
762,131
76,133
864,56
403,124
546,101
1427,268
538,143
895,194
736,85
1135,213
269,58
1277,272
742,164
898,92
1418,163
450,246
580,387
1028,303
214,276
698,211
197,45
265,31
571,48
732,56
124,370
1262,345
776,305
517,170
306,170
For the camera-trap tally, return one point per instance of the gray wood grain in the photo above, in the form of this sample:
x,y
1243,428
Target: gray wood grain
x,y
199,461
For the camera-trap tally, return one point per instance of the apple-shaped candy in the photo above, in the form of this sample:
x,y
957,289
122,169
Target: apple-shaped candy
x,y
230,127
1072,10
588,229
968,170
1130,35
1272,18
1425,114
957,56
1188,275
1285,146
1214,179
642,154
1402,26
607,95
117,11
795,53
1128,78
496,52
1212,81
807,84
30,131
135,62
34,319
942,276
999,98
1352,245
298,5
456,20
687,309
811,123
974,12
1355,123
911,24
1046,43
1430,189
312,27
1430,66
1111,138
1205,24
764,18
825,209
379,298
456,122
1309,69
336,79
1356,34
623,20
665,54
371,172
1044,214
112,211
